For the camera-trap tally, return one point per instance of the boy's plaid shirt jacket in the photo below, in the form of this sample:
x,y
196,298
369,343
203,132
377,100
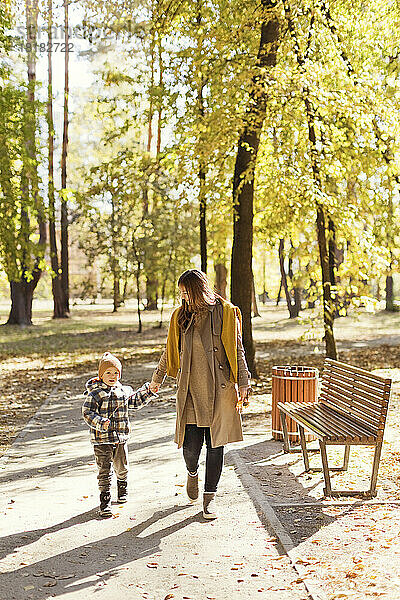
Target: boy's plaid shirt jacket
x,y
104,402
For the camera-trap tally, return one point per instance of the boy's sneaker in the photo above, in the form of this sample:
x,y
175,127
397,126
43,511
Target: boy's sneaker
x,y
122,491
192,486
105,504
209,507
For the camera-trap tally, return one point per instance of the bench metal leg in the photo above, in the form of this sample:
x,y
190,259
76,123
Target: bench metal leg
x,y
375,467
304,448
286,443
324,458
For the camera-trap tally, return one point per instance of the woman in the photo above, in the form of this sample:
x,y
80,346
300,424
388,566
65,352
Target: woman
x,y
204,352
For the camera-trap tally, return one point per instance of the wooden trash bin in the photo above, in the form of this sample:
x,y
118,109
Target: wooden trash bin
x,y
292,384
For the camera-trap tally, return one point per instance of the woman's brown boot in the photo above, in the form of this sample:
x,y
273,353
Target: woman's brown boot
x,y
192,486
209,507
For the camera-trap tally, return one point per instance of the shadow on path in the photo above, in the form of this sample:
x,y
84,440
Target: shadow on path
x,y
90,560
279,486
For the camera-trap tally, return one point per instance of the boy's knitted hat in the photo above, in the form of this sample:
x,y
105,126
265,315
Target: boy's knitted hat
x,y
109,360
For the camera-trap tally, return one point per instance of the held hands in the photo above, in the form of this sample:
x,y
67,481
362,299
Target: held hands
x,y
107,424
154,387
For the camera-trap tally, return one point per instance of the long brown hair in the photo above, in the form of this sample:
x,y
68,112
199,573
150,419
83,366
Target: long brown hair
x,y
200,295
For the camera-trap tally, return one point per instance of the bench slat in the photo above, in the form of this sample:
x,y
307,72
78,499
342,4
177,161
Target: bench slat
x,y
356,417
315,429
349,397
374,401
350,405
346,367
362,428
376,392
326,421
363,376
352,400
341,427
333,430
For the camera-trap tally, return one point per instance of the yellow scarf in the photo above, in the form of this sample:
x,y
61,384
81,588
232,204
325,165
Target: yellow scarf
x,y
231,326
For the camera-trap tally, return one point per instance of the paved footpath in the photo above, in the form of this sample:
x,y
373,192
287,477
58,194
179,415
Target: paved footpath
x,y
157,546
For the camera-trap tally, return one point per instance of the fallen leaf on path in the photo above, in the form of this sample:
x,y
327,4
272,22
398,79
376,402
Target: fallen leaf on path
x,y
29,587
50,584
66,576
152,565
169,596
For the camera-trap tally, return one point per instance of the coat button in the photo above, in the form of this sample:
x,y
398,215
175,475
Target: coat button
x,y
215,349
220,366
223,385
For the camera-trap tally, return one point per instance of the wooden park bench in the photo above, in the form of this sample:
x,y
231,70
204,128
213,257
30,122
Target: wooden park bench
x,y
351,410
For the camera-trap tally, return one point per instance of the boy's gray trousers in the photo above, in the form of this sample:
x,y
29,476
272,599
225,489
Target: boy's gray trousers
x,y
108,455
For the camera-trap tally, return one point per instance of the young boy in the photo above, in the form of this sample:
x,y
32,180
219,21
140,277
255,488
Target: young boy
x,y
105,410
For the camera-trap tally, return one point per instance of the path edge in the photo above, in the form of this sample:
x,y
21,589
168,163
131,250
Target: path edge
x,y
257,496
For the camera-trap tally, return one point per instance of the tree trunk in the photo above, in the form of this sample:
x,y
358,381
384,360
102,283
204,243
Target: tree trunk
x,y
330,345
278,298
64,205
202,166
58,301
243,183
296,291
221,275
164,285
202,220
328,304
115,266
116,291
21,293
151,294
332,264
254,306
160,84
151,101
389,297
291,308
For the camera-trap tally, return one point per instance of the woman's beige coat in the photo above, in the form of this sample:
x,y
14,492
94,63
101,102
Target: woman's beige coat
x,y
226,424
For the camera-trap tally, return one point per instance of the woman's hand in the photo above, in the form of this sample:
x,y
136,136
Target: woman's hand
x,y
154,387
243,393
243,399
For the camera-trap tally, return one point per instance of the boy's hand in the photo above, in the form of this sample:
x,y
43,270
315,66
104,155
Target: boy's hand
x,y
107,424
154,387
